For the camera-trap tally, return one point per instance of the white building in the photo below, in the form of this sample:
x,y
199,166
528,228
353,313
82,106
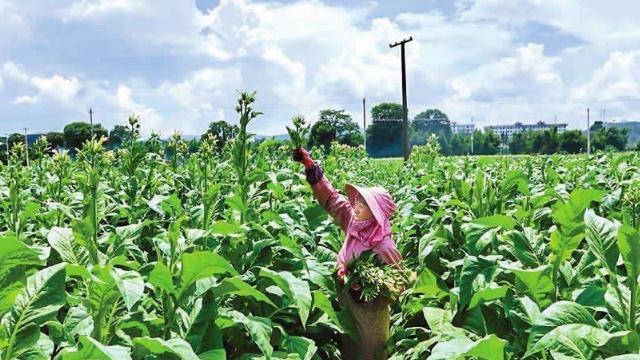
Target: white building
x,y
465,129
507,131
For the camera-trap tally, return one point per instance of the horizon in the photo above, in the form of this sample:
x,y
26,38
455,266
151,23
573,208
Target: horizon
x,y
177,65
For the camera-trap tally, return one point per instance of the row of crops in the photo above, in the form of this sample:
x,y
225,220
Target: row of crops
x,y
128,255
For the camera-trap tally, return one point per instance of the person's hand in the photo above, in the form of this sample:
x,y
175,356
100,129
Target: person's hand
x,y
302,156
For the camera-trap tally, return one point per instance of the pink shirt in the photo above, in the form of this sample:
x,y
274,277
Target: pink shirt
x,y
339,207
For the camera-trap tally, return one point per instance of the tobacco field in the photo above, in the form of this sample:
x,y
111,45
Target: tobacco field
x,y
130,254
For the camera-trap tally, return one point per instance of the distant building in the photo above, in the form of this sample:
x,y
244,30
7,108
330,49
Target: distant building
x,y
465,129
506,131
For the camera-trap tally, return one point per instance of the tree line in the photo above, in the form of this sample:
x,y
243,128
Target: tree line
x,y
383,135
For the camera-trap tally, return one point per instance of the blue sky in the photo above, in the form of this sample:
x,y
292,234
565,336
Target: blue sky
x,y
178,63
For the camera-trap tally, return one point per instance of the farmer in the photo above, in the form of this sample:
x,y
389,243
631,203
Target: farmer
x,y
364,216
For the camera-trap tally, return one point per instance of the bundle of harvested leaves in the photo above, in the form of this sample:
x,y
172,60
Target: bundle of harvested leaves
x,y
371,278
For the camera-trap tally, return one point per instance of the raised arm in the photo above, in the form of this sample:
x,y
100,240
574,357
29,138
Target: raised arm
x,y
336,204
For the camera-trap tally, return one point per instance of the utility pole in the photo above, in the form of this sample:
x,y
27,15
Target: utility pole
x,y
588,134
472,131
26,143
364,122
405,121
91,122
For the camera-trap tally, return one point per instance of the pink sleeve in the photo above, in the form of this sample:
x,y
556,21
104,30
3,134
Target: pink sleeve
x,y
388,252
336,205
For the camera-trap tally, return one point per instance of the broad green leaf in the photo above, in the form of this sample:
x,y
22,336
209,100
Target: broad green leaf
x,y
518,179
236,286
537,283
200,265
217,354
574,340
259,329
430,285
564,242
15,259
224,228
503,221
490,293
556,315
130,284
629,244
92,349
490,347
64,243
476,271
38,302
296,289
302,346
524,244
203,333
160,277
77,322
601,235
103,295
571,211
156,346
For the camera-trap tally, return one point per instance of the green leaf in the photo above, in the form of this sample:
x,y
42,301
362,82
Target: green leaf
x,y
573,340
259,329
15,259
431,285
537,283
296,289
92,349
629,244
503,221
488,294
556,315
160,277
236,286
203,333
64,243
475,271
38,302
302,346
490,347
130,284
217,354
563,243
571,211
224,228
156,346
601,235
200,265
77,322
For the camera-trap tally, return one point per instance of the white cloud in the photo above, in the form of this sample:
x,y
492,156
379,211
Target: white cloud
x,y
618,78
57,87
87,9
25,100
527,74
12,71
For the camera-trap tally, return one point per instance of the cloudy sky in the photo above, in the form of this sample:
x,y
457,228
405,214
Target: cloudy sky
x,y
178,63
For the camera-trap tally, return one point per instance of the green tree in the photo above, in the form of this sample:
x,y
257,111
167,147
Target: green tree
x,y
118,135
545,142
459,144
222,131
572,142
55,139
485,143
608,136
384,137
521,143
76,133
335,125
431,121
15,138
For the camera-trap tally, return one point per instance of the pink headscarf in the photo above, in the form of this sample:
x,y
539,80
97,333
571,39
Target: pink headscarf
x,y
372,234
